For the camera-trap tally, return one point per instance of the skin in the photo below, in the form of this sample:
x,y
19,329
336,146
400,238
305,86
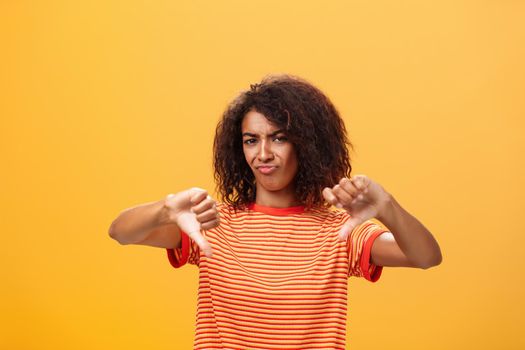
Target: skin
x,y
408,244
158,224
267,147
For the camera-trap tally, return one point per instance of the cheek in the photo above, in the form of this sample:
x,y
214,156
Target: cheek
x,y
295,167
247,155
292,162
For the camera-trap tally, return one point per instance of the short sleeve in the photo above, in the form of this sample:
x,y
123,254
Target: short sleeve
x,y
359,246
189,252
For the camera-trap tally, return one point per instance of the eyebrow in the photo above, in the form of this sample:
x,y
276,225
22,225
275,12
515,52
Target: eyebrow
x,y
255,135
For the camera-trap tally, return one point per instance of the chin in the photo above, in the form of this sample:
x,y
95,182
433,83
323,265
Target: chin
x,y
273,187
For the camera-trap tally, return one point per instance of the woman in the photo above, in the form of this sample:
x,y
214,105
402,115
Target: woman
x,y
274,267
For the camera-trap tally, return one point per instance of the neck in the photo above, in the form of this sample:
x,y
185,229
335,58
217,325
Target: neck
x,y
276,199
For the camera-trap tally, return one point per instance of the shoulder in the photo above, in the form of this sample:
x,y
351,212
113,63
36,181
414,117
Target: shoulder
x,y
329,216
338,217
228,211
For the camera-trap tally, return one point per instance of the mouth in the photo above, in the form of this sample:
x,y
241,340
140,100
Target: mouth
x,y
266,169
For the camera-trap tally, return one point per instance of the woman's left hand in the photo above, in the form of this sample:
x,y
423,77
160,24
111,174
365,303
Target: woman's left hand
x,y
361,197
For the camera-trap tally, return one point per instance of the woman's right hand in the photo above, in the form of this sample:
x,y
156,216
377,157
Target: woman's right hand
x,y
193,210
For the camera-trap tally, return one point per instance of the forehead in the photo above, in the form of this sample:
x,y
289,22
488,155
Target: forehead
x,y
256,123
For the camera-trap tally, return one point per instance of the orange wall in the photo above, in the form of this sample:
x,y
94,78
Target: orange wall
x,y
107,104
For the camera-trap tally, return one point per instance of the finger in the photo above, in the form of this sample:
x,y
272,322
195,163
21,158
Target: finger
x,y
330,197
343,197
210,214
349,187
348,227
197,195
203,206
361,182
360,197
188,223
210,224
201,242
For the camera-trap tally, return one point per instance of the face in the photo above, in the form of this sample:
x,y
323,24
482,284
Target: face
x,y
269,154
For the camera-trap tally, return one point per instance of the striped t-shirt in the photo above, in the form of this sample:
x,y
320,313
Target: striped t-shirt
x,y
277,278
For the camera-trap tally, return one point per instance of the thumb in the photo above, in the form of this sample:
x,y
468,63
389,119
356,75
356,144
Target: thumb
x,y
348,227
188,223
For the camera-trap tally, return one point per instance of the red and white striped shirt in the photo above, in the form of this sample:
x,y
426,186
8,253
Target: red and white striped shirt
x,y
277,278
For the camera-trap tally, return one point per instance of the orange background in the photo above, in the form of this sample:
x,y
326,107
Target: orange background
x,y
108,104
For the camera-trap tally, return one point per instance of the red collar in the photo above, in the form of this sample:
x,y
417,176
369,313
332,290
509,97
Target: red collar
x,y
276,211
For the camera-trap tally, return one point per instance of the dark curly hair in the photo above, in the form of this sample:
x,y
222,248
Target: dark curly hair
x,y
312,124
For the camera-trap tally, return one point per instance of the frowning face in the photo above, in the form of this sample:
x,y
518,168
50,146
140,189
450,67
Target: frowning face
x,y
269,154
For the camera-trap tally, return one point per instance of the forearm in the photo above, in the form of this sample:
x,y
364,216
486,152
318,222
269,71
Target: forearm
x,y
134,224
416,242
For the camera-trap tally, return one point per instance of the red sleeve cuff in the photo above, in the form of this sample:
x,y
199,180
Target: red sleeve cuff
x,y
370,271
179,257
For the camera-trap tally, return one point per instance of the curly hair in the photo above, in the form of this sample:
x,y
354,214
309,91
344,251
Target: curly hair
x,y
312,124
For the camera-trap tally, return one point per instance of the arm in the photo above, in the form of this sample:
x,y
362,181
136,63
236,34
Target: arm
x,y
160,223
146,224
408,244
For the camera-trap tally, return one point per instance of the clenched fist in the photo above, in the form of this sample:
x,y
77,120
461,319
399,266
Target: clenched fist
x,y
361,197
193,210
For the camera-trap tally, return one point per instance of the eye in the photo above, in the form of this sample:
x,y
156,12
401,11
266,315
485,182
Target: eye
x,y
249,141
280,139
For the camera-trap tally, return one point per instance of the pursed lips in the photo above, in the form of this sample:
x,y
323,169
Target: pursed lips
x,y
266,169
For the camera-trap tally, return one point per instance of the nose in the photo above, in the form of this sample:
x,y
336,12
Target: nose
x,y
265,151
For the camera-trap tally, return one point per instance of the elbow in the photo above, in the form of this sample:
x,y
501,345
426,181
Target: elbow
x,y
431,261
114,234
